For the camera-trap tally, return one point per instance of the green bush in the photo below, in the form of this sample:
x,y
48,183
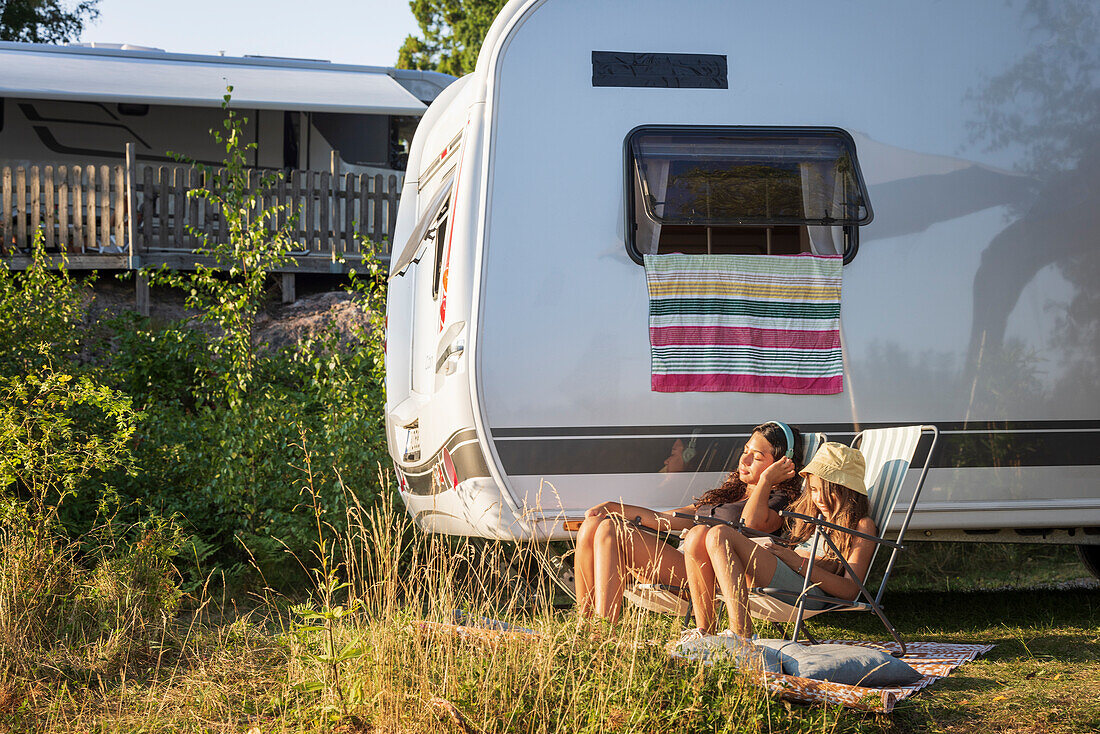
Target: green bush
x,y
41,313
88,597
217,427
227,423
234,469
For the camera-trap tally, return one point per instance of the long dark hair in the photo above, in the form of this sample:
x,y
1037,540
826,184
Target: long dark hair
x,y
851,508
733,489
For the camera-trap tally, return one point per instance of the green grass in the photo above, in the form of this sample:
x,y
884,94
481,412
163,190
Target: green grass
x,y
265,670
1042,676
974,566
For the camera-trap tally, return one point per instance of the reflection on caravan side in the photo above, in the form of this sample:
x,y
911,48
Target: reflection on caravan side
x,y
967,188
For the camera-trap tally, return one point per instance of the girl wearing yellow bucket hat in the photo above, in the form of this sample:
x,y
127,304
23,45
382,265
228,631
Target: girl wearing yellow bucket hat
x,y
834,489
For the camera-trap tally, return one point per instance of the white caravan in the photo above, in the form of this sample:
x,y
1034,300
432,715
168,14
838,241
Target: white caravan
x,y
83,104
518,364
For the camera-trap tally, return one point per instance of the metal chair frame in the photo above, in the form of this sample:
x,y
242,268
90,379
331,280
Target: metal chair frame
x,y
872,603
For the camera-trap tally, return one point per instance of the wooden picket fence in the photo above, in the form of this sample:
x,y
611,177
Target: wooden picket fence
x,y
79,208
322,213
146,211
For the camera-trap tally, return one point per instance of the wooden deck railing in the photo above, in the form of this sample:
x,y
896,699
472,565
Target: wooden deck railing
x,y
145,213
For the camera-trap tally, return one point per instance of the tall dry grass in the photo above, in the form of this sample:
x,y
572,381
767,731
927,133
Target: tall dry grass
x,y
411,670
370,648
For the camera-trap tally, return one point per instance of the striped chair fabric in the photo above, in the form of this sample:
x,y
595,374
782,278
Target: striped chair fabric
x,y
811,442
888,452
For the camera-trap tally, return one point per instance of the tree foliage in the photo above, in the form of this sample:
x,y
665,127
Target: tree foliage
x,y
452,32
250,252
41,312
45,21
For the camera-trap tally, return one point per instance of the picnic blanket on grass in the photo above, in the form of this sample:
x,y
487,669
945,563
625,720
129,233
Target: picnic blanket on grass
x,y
745,323
933,660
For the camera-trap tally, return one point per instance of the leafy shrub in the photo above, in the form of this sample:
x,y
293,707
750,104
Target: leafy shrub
x,y
233,469
226,423
40,315
58,431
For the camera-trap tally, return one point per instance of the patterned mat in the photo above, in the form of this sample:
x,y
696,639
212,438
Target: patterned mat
x,y
934,660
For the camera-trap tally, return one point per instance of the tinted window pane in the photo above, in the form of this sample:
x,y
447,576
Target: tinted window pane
x,y
728,177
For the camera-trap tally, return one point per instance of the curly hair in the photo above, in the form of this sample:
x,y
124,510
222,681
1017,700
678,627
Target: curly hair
x,y
851,508
734,490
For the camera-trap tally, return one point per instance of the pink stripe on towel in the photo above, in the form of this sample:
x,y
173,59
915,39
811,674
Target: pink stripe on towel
x,y
663,336
749,383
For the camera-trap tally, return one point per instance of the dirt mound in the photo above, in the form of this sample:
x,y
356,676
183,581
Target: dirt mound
x,y
277,326
311,316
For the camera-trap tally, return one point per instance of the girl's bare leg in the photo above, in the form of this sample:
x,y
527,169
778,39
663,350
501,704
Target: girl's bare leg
x,y
620,548
583,569
700,576
738,563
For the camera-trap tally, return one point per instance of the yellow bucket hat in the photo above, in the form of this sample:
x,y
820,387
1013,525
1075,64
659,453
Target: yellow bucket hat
x,y
840,464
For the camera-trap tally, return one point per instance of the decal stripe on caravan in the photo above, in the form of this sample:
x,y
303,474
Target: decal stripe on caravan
x,y
562,451
435,475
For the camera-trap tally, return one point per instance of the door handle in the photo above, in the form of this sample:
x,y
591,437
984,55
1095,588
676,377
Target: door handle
x,y
450,351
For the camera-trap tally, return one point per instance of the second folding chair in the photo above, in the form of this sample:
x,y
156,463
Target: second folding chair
x,y
889,453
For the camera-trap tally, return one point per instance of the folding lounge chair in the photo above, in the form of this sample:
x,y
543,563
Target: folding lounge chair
x,y
668,599
889,453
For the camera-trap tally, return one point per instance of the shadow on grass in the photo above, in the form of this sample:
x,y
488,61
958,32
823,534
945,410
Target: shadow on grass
x,y
987,616
1036,634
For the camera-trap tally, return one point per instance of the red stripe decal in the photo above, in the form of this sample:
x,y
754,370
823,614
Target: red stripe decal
x,y
449,467
749,383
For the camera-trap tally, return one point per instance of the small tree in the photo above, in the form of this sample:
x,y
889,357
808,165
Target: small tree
x,y
230,293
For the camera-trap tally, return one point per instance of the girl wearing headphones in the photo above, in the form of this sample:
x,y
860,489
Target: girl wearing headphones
x,y
722,556
611,545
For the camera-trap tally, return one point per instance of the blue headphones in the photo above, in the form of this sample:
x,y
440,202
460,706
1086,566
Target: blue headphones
x,y
789,435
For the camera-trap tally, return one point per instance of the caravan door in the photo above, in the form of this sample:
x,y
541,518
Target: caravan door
x,y
425,271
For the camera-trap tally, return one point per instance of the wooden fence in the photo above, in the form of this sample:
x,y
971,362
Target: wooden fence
x,y
145,210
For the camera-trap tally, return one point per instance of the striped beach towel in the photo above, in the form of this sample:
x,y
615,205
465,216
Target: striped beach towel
x,y
745,323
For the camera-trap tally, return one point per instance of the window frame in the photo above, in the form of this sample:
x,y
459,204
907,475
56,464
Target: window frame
x,y
438,232
851,232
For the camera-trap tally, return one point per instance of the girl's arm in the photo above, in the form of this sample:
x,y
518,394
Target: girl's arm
x,y
644,515
757,515
842,586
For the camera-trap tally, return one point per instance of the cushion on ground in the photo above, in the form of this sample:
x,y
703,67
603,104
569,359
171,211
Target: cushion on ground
x,y
744,655
849,664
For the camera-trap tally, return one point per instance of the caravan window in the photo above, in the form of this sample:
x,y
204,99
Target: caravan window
x,y
439,232
774,191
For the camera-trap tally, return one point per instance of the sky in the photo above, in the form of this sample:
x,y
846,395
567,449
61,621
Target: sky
x,y
343,31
